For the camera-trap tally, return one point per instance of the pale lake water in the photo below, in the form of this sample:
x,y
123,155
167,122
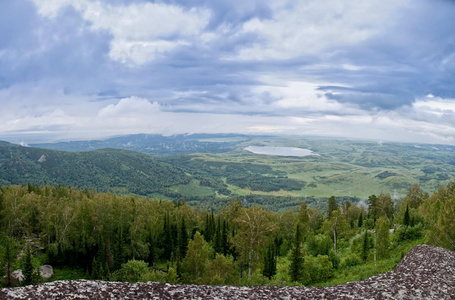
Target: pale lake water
x,y
280,151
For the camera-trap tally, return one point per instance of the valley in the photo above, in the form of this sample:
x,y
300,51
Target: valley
x,y
210,170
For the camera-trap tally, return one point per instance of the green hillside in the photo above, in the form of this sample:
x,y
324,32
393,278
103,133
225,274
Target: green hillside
x,y
348,170
102,170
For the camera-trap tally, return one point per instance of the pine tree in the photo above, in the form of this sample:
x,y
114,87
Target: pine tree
x,y
210,227
28,267
224,238
270,262
406,219
152,250
183,239
360,222
167,243
365,246
295,270
9,258
218,239
333,205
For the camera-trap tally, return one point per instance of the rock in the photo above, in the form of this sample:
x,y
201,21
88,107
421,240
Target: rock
x,y
46,272
426,272
17,274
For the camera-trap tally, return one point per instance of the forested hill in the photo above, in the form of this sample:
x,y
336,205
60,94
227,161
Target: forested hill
x,y
102,170
156,144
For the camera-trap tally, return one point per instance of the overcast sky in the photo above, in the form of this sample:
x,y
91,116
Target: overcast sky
x,y
80,69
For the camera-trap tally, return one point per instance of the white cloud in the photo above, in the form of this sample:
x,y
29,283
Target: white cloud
x,y
308,27
435,105
133,107
140,31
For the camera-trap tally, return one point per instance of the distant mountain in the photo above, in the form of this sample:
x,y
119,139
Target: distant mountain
x,y
155,144
103,170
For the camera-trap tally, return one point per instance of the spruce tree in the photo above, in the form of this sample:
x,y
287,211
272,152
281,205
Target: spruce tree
x,y
28,267
270,262
183,239
218,239
9,259
360,222
224,238
365,246
295,270
333,205
166,238
406,219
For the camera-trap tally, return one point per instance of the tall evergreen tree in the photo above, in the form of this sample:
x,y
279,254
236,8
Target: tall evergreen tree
x,y
167,244
210,227
224,238
183,239
295,270
270,262
333,205
360,221
152,250
9,259
365,247
28,267
218,239
406,219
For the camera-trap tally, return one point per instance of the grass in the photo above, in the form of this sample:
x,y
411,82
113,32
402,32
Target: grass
x,y
364,271
69,274
348,168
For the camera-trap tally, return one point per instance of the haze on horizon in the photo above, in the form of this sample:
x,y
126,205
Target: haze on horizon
x,y
81,69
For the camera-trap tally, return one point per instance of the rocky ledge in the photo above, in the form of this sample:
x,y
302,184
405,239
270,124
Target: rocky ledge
x,y
426,272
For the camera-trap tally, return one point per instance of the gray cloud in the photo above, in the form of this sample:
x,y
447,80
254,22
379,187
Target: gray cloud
x,y
292,60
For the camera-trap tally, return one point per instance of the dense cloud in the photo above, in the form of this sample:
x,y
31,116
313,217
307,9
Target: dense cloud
x,y
379,69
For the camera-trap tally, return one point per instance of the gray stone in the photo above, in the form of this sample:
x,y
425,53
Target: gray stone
x,y
46,272
17,274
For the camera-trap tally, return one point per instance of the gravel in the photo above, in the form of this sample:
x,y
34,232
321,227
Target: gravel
x,y
426,272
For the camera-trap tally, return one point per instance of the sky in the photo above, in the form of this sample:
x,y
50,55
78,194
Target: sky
x,y
81,69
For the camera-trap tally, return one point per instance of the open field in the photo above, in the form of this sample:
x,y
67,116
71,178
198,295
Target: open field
x,y
209,170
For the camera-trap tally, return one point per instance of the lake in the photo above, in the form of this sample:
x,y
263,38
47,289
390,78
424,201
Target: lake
x,y
280,151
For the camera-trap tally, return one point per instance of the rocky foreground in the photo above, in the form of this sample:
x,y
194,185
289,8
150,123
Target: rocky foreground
x,y
426,272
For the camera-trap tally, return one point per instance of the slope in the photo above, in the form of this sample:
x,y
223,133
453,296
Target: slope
x,y
103,170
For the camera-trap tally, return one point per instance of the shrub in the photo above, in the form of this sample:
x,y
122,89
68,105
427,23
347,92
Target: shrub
x,y
316,269
132,271
350,260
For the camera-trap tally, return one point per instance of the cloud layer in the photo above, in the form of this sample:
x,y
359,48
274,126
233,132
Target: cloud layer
x,y
83,69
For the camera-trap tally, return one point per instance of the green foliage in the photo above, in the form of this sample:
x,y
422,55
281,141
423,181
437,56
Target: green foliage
x,y
350,260
441,215
382,236
27,267
296,257
270,259
132,271
406,218
221,271
112,237
332,206
195,263
319,244
104,170
316,269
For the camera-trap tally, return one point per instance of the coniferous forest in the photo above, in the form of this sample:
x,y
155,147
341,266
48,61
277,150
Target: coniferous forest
x,y
85,234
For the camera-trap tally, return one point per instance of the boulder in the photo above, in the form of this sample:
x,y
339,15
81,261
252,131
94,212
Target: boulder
x,y
46,272
17,274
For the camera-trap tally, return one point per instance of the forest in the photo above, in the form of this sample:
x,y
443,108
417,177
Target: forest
x,y
86,234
